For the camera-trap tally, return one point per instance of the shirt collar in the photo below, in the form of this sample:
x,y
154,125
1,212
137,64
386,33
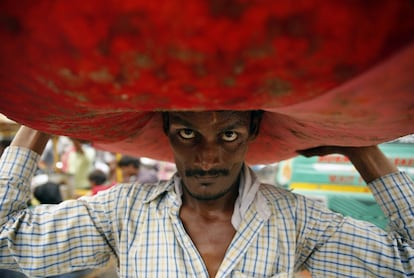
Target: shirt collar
x,y
248,193
160,189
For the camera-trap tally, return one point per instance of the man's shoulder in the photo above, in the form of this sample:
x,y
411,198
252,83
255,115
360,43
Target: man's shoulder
x,y
278,195
286,204
139,191
274,191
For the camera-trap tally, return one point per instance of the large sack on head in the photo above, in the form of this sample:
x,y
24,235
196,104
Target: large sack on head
x,y
325,72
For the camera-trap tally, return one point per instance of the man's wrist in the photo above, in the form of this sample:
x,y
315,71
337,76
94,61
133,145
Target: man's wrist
x,y
31,139
370,162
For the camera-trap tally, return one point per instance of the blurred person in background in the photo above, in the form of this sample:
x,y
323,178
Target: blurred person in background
x,y
148,171
4,143
78,160
54,150
98,181
48,193
129,167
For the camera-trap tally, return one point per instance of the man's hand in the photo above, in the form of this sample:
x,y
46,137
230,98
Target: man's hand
x,y
370,161
325,150
31,139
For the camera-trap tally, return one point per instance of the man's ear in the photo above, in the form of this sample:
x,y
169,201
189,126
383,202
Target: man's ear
x,y
256,119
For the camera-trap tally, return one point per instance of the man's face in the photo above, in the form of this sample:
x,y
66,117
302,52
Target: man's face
x,y
209,150
129,173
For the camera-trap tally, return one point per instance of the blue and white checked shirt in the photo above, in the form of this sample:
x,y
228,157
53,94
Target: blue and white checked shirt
x,y
140,226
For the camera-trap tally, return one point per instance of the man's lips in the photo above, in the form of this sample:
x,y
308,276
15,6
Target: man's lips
x,y
205,176
206,180
210,177
212,173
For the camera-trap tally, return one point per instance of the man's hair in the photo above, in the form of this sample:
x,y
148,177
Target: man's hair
x,y
4,143
129,160
48,193
255,120
97,176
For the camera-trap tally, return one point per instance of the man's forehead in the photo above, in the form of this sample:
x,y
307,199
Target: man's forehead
x,y
211,117
215,113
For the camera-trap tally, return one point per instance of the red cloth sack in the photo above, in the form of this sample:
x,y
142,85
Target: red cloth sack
x,y
325,72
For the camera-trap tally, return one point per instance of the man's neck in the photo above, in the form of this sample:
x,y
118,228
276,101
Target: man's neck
x,y
223,204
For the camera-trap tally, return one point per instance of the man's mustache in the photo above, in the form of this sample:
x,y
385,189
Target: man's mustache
x,y
202,173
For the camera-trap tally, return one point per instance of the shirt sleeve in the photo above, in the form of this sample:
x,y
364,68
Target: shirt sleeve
x,y
48,239
337,246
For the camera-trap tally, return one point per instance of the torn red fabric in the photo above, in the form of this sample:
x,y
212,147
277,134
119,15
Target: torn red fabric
x,y
325,72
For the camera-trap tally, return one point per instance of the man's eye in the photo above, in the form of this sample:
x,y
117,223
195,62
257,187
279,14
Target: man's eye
x,y
186,133
229,136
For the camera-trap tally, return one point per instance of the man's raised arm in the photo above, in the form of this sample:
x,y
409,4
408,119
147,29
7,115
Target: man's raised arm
x,y
31,139
370,161
361,248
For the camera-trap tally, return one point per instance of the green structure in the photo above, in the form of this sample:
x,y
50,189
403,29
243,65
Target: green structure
x,y
333,180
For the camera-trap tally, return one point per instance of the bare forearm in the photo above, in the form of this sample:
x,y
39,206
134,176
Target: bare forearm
x,y
370,162
32,139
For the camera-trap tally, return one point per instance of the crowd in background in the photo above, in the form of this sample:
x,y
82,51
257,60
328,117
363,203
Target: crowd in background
x,y
70,168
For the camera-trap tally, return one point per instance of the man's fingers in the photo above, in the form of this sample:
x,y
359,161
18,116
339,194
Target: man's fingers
x,y
320,151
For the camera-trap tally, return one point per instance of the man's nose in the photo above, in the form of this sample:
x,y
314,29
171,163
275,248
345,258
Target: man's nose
x,y
208,155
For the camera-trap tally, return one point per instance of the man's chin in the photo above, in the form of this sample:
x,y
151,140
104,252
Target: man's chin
x,y
206,197
205,191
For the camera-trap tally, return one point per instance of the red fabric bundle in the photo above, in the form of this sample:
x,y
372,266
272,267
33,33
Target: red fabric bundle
x,y
325,72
